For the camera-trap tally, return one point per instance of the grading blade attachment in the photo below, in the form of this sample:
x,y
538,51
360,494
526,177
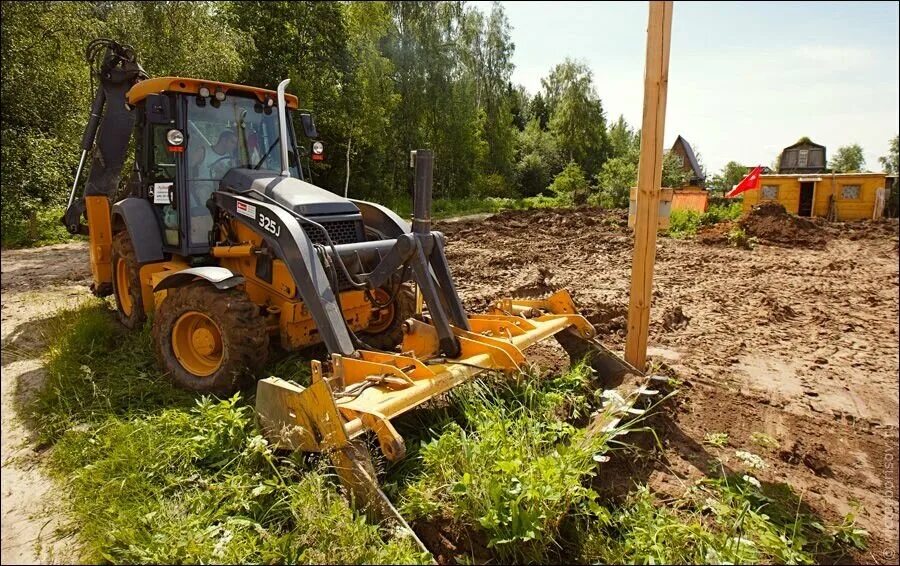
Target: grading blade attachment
x,y
365,391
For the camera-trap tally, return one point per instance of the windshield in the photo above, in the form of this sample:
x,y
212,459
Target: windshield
x,y
240,132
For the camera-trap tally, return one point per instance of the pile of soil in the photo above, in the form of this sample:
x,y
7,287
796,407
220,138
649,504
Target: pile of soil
x,y
715,233
770,222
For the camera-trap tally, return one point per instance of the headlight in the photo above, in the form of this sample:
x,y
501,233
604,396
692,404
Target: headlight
x,y
204,92
175,137
318,148
220,94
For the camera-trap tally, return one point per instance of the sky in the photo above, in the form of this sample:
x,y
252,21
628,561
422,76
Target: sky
x,y
745,79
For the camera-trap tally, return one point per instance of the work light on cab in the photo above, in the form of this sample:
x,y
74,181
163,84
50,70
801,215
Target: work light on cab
x,y
176,141
318,151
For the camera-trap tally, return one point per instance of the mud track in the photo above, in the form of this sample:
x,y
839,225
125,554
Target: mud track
x,y
799,343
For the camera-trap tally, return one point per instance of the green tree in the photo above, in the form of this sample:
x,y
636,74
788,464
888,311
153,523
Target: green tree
x,y
730,175
577,119
848,159
673,173
46,97
538,110
571,185
615,179
623,140
538,159
889,161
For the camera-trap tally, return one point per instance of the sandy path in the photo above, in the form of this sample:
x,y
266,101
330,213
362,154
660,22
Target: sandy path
x,y
35,284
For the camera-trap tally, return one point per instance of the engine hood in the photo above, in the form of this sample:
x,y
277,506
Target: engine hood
x,y
301,197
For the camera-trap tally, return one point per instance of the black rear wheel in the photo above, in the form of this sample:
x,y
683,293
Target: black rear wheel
x,y
126,282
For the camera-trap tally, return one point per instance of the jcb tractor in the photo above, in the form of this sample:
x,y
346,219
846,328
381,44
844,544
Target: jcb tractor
x,y
226,242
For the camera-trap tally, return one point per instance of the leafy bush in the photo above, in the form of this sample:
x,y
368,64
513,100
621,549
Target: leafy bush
x,y
733,520
533,174
37,227
683,223
716,213
571,185
511,468
614,182
738,238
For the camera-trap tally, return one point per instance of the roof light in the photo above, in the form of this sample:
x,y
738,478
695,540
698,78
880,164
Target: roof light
x,y
204,91
270,101
220,94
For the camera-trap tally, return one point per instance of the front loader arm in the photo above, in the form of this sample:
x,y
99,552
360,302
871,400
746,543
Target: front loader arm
x,y
290,243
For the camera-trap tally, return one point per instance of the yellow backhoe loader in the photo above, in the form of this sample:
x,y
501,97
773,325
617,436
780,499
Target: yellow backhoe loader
x,y
222,236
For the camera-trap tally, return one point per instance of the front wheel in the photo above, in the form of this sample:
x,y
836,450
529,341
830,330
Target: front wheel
x,y
209,340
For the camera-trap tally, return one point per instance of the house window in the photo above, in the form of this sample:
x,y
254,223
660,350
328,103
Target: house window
x,y
803,158
850,192
769,192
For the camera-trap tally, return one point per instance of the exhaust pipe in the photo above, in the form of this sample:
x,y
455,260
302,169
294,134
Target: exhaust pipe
x,y
282,128
423,162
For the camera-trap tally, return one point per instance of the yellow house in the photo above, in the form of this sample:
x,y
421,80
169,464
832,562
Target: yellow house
x,y
837,196
805,186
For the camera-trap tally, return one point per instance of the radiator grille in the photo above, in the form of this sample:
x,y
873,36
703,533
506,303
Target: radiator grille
x,y
341,232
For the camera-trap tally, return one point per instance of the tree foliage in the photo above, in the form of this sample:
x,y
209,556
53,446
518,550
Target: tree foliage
x,y
889,162
730,175
848,159
382,78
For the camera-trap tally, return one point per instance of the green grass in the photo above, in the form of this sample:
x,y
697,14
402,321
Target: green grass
x,y
731,520
685,223
153,474
43,229
510,465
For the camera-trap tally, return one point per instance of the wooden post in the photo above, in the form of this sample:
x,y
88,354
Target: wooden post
x,y
656,79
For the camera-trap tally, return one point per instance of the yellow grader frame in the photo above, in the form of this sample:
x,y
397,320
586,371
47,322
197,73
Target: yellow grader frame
x,y
364,392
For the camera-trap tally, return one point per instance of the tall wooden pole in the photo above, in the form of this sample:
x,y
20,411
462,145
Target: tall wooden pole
x,y
656,80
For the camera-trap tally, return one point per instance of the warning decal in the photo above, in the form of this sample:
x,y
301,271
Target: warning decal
x,y
246,209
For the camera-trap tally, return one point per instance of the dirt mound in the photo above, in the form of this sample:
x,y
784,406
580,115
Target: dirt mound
x,y
771,223
715,234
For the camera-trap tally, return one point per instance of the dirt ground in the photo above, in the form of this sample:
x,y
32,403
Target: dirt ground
x,y
35,284
799,342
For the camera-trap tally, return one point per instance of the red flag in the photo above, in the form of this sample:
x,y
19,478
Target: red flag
x,y
750,182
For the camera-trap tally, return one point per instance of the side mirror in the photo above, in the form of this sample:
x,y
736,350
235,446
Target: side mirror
x,y
309,125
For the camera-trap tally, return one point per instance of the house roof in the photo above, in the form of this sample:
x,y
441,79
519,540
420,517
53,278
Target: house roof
x,y
804,141
689,151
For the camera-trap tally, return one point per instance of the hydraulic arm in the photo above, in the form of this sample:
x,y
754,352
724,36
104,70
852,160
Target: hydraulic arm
x,y
116,69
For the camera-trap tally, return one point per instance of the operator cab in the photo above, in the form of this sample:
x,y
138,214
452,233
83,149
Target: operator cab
x,y
191,134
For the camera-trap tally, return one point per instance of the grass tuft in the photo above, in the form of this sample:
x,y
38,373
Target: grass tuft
x,y
511,466
154,475
731,520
